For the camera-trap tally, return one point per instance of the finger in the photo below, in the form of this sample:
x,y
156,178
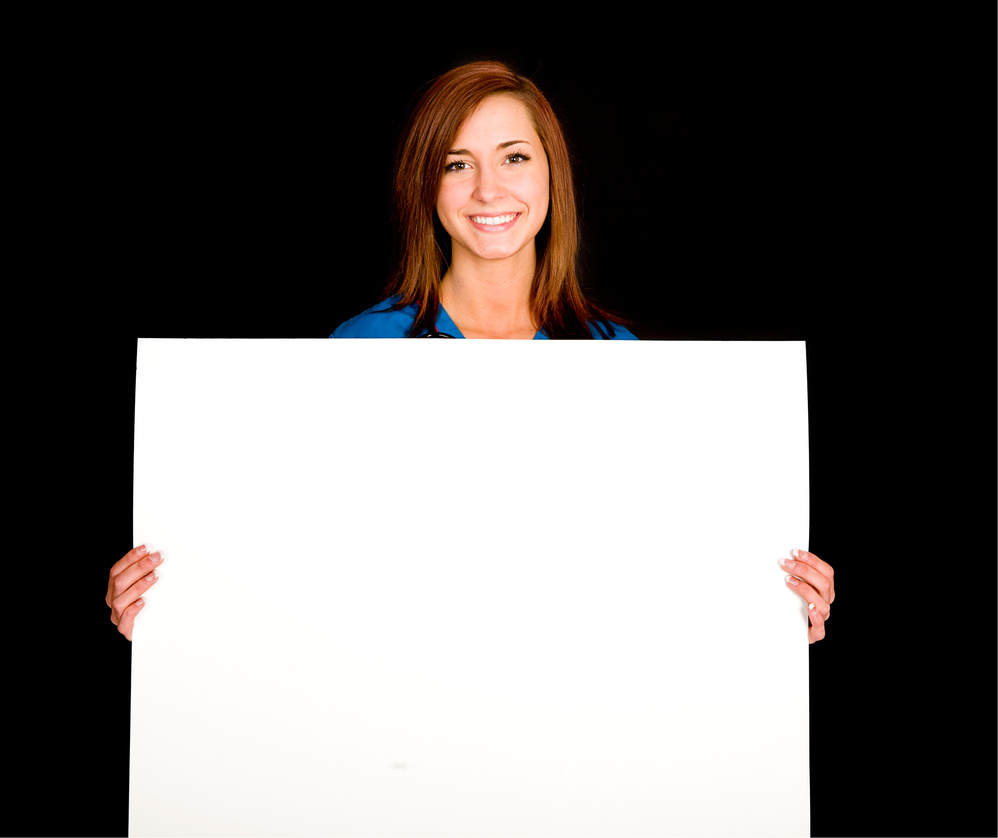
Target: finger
x,y
126,561
824,568
817,630
127,622
130,558
812,575
121,603
131,574
809,595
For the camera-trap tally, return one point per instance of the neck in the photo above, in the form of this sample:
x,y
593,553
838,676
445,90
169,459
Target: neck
x,y
490,299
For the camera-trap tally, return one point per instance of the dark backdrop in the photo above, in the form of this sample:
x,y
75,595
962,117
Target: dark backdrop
x,y
740,178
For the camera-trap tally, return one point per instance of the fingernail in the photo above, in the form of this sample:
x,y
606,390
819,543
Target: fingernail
x,y
140,602
792,580
787,563
810,606
795,553
156,558
151,576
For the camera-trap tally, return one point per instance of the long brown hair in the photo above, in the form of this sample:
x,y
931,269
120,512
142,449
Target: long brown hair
x,y
557,303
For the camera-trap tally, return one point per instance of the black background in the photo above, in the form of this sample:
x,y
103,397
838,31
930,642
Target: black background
x,y
742,176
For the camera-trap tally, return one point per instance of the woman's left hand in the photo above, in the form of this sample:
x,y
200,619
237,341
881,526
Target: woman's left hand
x,y
814,580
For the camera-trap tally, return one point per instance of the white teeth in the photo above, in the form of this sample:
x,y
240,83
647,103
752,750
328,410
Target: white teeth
x,y
491,221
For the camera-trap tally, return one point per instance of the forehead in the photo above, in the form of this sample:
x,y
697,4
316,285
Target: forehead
x,y
497,119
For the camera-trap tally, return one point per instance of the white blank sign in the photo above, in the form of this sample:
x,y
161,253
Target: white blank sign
x,y
470,588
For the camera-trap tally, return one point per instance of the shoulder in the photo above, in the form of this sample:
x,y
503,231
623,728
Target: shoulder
x,y
379,321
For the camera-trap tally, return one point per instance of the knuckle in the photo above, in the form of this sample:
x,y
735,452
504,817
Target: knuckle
x,y
118,607
150,562
129,613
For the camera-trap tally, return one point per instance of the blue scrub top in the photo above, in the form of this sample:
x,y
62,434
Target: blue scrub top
x,y
380,322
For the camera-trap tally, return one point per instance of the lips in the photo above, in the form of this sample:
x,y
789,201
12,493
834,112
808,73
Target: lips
x,y
494,223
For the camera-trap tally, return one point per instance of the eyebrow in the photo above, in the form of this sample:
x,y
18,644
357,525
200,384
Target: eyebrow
x,y
499,147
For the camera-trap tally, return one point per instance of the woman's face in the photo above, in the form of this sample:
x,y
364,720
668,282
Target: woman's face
x,y
493,196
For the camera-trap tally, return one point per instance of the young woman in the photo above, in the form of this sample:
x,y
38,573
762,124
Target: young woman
x,y
488,240
485,212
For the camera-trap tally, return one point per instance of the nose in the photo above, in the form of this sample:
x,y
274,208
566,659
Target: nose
x,y
488,185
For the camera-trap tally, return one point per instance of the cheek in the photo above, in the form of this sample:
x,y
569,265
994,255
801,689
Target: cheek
x,y
442,202
453,194
546,198
447,202
543,182
542,196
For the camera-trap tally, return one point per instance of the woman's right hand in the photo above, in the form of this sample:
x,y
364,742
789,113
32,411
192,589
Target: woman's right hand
x,y
131,576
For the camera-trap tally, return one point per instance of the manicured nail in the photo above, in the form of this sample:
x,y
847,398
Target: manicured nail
x,y
793,580
787,563
156,558
810,606
151,577
796,553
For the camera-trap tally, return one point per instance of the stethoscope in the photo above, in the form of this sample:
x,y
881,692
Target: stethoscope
x,y
433,333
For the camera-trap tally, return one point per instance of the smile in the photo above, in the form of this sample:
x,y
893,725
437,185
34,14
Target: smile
x,y
493,220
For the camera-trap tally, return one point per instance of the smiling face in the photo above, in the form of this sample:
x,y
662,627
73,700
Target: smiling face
x,y
494,193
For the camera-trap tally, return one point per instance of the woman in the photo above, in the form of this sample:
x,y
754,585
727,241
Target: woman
x,y
488,241
485,211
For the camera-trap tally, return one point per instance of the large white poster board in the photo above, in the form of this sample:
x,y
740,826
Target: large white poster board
x,y
470,588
